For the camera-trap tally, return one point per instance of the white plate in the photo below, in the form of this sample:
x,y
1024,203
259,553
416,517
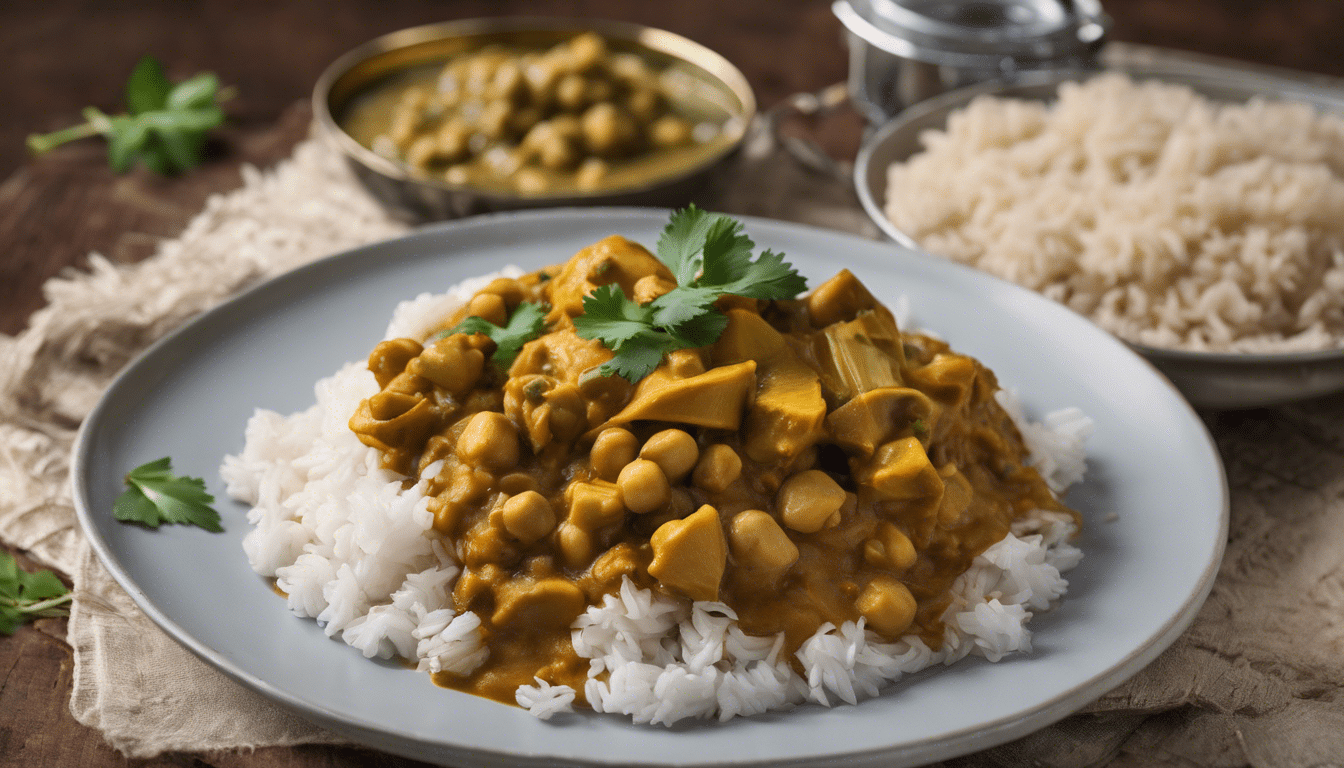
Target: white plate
x,y
1155,504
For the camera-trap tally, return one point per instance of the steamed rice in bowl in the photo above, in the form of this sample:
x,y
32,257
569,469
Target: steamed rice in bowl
x,y
362,545
1169,219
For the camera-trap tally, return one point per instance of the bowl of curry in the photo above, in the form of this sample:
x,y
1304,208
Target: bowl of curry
x,y
451,119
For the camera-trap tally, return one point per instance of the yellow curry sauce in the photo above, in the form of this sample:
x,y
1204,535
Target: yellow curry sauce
x,y
813,465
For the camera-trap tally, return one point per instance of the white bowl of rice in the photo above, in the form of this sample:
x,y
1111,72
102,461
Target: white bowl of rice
x,y
1199,218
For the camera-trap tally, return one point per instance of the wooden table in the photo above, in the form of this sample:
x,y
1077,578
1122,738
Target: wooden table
x,y
62,55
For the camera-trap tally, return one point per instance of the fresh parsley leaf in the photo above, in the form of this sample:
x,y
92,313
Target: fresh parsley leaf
x,y
711,257
525,324
165,127
154,496
25,596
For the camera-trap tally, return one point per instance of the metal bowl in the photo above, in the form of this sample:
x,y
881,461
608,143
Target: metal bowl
x,y
712,78
1207,379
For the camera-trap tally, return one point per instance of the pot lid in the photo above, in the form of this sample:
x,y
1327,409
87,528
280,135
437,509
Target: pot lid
x,y
999,34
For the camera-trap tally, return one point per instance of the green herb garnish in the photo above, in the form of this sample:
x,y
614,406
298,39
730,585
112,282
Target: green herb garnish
x,y
154,496
166,125
710,257
25,596
525,324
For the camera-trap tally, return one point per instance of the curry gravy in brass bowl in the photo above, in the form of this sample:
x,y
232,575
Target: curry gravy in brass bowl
x,y
496,114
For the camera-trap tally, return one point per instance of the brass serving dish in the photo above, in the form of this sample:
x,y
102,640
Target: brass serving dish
x,y
712,78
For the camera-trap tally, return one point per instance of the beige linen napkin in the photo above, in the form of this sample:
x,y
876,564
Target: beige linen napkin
x,y
1259,678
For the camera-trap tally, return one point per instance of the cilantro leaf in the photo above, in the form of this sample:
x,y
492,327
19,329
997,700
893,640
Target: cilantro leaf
x,y
711,257
525,324
165,126
25,596
154,496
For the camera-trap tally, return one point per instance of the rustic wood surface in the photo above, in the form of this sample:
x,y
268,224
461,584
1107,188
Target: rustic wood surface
x,y
61,55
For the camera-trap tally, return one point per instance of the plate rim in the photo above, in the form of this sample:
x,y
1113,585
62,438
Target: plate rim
x,y
984,735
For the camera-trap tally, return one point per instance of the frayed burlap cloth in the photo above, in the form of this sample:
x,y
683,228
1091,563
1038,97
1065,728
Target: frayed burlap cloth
x,y
1258,679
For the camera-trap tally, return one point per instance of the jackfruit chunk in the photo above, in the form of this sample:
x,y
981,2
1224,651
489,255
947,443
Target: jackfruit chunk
x,y
537,605
789,413
858,356
612,259
713,399
689,555
879,415
901,470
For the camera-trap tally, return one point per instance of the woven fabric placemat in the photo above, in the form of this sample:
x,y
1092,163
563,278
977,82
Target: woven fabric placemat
x,y
1258,679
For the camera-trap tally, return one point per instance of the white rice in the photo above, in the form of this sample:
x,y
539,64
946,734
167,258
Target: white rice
x,y
355,551
1168,219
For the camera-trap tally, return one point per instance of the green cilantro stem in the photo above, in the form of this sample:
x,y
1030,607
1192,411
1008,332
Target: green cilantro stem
x,y
38,608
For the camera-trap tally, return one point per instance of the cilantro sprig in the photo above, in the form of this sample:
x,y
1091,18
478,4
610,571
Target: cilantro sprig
x,y
525,324
154,496
25,596
165,127
711,257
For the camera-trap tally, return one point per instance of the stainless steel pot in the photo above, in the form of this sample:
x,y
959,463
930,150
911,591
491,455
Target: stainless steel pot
x,y
905,51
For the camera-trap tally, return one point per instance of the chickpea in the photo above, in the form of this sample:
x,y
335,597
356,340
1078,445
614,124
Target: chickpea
x,y
542,75
490,440
643,103
612,450
650,287
674,451
685,363
508,82
576,545
890,548
530,181
608,130
591,174
587,51
643,485
509,289
515,483
669,131
450,363
559,154
808,501
718,467
528,516
490,307
386,406
390,358
759,544
494,119
888,606
423,151
457,174
572,92
452,141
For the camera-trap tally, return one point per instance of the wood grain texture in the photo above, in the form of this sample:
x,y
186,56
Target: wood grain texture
x,y
62,55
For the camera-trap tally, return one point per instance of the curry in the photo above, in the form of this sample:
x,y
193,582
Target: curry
x,y
578,117
814,464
